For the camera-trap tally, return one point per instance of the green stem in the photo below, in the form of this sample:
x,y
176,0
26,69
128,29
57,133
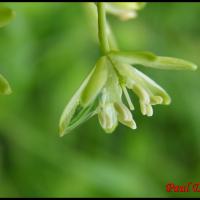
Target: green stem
x,y
102,31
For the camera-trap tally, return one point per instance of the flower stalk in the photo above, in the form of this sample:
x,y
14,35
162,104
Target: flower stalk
x,y
102,28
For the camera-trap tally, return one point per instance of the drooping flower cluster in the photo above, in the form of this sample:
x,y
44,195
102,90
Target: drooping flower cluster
x,y
101,92
114,74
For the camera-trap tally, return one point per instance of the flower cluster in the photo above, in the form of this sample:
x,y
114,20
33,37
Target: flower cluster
x,y
103,91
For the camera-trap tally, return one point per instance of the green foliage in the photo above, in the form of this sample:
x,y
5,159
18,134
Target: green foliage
x,y
4,86
46,60
6,16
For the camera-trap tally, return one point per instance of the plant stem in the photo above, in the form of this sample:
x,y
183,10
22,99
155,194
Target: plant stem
x,y
102,28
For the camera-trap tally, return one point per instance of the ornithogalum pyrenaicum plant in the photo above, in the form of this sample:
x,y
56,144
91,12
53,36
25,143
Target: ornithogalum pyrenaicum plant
x,y
6,15
113,75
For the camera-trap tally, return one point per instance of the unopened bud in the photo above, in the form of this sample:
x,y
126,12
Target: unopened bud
x,y
108,117
124,115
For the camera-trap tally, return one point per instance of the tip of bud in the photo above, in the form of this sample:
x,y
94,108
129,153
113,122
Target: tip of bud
x,y
194,67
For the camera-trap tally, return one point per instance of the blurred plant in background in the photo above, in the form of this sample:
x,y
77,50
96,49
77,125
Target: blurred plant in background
x,y
38,55
125,10
6,15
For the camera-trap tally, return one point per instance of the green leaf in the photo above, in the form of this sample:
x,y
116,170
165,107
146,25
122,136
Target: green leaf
x,y
6,15
150,60
96,82
4,86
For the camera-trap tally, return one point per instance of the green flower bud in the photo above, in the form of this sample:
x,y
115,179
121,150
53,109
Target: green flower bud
x,y
156,100
146,109
124,115
141,93
96,82
108,117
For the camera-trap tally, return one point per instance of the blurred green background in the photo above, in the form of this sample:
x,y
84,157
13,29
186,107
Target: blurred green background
x,y
45,53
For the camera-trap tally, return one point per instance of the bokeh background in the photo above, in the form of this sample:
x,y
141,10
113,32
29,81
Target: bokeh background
x,y
45,53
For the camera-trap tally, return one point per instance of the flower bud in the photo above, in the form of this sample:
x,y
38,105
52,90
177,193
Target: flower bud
x,y
96,82
124,115
141,93
156,100
108,117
